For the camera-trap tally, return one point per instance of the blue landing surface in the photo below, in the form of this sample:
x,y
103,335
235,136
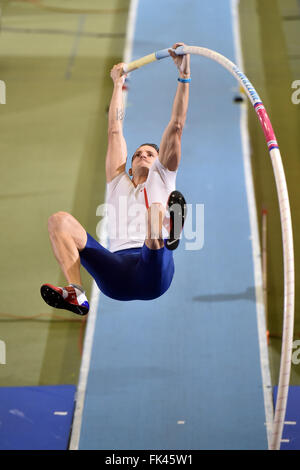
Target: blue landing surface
x,y
36,418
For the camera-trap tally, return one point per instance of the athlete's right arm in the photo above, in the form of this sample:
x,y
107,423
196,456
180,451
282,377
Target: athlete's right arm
x,y
116,150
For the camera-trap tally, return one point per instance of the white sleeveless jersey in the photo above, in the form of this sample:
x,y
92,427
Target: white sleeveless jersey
x,y
127,205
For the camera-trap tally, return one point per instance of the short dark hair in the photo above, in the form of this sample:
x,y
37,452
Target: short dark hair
x,y
151,145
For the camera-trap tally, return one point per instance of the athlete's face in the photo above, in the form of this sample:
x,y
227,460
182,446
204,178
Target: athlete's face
x,y
144,156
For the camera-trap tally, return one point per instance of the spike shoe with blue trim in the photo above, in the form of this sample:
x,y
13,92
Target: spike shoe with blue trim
x,y
67,298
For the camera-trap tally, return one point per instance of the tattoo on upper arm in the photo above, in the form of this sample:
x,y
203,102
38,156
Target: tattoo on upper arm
x,y
120,114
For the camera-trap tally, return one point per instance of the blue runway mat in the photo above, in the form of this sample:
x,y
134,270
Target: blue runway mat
x,y
291,430
36,418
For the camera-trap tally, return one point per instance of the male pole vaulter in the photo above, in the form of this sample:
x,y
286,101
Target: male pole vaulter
x,y
139,265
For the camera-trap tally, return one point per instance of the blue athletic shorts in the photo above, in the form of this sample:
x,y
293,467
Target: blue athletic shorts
x,y
132,274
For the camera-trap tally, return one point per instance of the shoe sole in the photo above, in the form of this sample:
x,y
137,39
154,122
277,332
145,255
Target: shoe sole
x,y
175,199
56,300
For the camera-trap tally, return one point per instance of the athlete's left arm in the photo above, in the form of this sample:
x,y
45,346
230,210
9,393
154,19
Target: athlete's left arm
x,y
170,146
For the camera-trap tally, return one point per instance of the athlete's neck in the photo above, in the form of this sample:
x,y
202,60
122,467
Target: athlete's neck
x,y
138,180
140,177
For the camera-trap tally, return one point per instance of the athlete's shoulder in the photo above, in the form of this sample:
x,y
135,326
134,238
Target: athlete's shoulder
x,y
121,185
121,177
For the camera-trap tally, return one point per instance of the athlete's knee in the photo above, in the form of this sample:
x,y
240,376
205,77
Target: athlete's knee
x,y
58,221
154,244
63,223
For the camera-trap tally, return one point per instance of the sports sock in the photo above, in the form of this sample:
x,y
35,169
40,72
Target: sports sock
x,y
77,287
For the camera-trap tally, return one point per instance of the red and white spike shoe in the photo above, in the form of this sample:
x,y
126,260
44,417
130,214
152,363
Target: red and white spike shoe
x,y
67,298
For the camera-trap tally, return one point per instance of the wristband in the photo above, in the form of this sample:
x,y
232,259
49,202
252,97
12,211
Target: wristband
x,y
184,80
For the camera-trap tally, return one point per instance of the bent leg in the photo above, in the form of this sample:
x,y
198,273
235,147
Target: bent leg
x,y
114,273
154,272
67,238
